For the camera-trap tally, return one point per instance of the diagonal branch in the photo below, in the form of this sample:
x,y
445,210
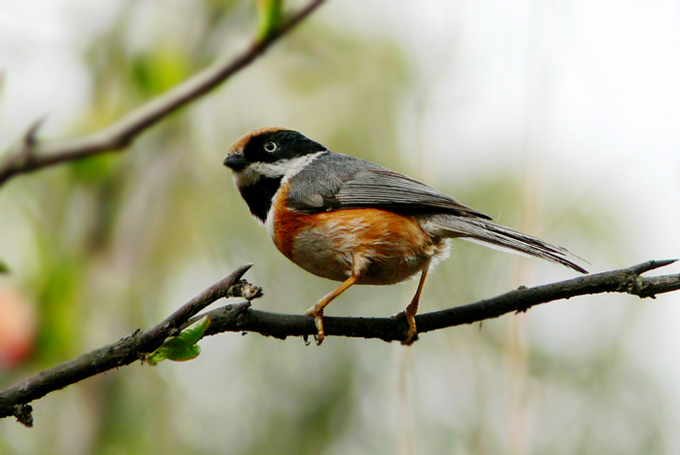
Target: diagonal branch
x,y
30,155
241,318
14,400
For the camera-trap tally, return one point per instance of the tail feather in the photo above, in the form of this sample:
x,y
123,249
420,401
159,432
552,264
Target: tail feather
x,y
500,237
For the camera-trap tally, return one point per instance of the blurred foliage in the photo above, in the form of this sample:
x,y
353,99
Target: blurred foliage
x,y
269,13
117,242
316,423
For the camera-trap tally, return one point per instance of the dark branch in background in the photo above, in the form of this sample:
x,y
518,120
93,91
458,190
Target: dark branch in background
x,y
241,318
31,155
14,401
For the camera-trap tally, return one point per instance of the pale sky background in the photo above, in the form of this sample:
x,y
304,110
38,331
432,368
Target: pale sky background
x,y
589,91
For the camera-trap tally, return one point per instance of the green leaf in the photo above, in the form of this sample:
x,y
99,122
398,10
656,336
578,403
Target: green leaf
x,y
175,349
183,347
93,170
3,267
269,14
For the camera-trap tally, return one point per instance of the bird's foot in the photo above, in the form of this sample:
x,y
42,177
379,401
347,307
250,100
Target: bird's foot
x,y
318,321
412,334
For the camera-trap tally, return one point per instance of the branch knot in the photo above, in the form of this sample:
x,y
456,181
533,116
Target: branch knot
x,y
24,414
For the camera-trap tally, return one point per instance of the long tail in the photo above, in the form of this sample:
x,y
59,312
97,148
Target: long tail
x,y
500,237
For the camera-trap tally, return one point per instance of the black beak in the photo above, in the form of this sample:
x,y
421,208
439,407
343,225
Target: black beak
x,y
236,162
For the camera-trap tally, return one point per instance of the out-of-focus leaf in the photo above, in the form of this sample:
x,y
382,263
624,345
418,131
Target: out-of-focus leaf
x,y
156,72
93,170
182,347
59,314
269,13
3,267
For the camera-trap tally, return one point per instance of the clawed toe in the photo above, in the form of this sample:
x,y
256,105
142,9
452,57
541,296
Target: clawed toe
x,y
318,321
412,334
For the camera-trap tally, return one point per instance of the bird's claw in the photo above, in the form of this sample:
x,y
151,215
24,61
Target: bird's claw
x,y
318,321
412,334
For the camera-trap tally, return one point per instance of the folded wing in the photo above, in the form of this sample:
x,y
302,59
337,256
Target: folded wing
x,y
349,183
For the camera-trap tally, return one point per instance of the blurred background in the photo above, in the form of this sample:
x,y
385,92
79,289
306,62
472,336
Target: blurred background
x,y
556,118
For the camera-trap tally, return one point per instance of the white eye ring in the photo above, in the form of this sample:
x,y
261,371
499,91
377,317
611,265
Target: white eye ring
x,y
270,147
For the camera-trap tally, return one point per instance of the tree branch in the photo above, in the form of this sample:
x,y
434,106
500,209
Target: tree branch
x,y
627,280
241,318
30,155
14,400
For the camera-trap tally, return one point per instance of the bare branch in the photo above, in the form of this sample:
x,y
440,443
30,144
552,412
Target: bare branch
x,y
241,318
31,155
14,401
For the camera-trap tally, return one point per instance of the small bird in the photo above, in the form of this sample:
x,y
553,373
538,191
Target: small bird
x,y
354,221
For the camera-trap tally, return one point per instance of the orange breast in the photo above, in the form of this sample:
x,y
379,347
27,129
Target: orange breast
x,y
381,247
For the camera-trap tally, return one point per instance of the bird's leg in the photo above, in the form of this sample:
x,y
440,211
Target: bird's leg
x,y
410,312
317,309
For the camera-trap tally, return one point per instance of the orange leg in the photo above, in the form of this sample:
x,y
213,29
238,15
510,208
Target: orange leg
x,y
410,312
317,309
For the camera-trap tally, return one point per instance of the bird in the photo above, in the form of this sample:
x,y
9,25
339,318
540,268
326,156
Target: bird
x,y
356,222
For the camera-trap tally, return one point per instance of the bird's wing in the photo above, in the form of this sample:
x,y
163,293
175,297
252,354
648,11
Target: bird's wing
x,y
375,187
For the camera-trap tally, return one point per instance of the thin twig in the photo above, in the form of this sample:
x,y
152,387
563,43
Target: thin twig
x,y
14,400
28,156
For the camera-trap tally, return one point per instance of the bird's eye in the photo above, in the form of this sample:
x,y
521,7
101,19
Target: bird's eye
x,y
270,147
